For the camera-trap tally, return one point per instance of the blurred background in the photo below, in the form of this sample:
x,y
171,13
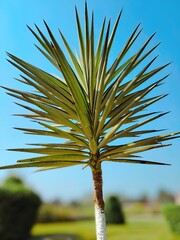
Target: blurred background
x,y
141,189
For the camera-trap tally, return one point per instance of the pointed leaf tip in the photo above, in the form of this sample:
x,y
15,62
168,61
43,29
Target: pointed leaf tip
x,y
76,10
86,5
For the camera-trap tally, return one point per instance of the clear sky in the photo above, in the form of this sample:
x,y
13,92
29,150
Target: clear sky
x,y
73,183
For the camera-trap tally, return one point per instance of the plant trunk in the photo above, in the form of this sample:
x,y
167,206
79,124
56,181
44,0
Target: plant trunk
x,y
99,206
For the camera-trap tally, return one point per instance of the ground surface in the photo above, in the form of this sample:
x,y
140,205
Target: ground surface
x,y
136,229
56,237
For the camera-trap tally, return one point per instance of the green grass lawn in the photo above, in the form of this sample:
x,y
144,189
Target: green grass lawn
x,y
153,229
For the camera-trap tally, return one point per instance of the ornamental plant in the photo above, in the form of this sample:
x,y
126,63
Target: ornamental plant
x,y
91,103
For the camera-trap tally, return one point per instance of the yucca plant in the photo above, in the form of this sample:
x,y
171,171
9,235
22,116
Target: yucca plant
x,y
91,104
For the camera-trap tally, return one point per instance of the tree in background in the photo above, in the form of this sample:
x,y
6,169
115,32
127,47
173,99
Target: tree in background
x,y
165,197
18,209
114,211
91,104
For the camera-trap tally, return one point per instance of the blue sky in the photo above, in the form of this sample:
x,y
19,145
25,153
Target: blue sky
x,y
73,183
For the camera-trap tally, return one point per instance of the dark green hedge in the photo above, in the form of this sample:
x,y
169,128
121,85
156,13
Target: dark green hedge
x,y
172,214
114,211
18,209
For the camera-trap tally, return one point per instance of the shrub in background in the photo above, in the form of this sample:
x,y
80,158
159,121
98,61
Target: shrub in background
x,y
172,214
62,212
49,213
18,209
114,211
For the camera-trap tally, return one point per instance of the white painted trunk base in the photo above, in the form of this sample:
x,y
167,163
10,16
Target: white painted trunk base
x,y
100,223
